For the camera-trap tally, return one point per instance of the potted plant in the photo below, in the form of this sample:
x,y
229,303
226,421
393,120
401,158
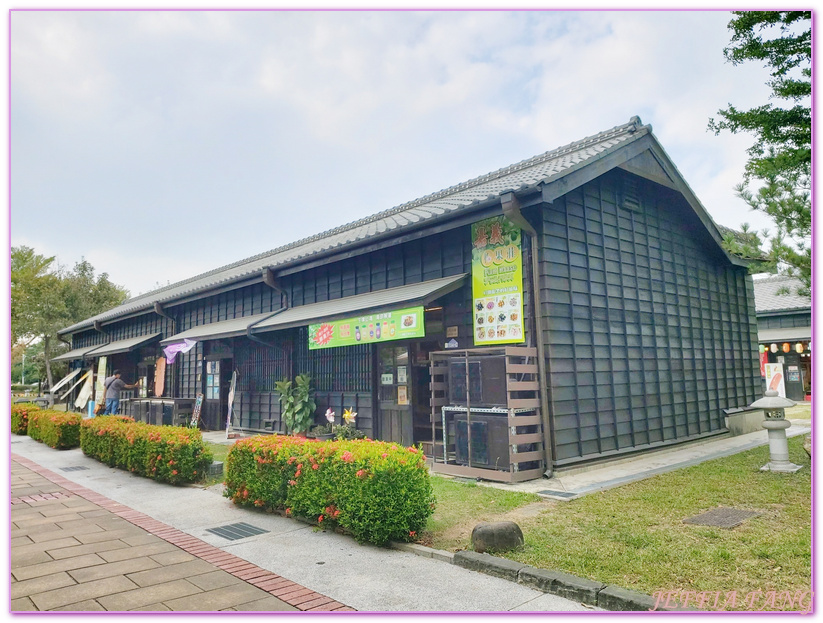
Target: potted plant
x,y
348,430
297,403
324,432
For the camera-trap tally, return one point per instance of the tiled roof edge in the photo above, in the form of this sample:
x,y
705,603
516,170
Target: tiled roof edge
x,y
145,301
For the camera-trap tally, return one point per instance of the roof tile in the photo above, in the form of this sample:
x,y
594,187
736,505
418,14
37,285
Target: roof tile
x,y
522,175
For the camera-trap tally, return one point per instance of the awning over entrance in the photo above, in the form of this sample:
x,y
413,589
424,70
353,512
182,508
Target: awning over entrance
x,y
123,346
784,335
217,330
382,300
77,353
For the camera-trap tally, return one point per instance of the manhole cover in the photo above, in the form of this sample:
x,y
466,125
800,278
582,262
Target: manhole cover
x,y
721,517
236,531
560,494
76,468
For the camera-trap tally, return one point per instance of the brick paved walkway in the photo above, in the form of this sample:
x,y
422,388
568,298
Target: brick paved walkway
x,y
74,549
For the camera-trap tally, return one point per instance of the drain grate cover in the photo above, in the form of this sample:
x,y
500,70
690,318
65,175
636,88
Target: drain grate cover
x,y
721,517
236,531
76,468
560,494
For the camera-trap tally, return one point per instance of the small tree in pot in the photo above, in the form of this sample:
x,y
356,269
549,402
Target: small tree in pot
x,y
297,403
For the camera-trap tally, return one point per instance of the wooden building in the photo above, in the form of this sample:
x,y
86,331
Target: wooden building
x,y
634,327
784,332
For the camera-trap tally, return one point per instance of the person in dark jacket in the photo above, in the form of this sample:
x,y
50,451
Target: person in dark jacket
x,y
114,384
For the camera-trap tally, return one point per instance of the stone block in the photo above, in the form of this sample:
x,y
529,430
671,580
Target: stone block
x,y
442,555
53,566
131,599
578,589
621,599
413,548
218,599
26,588
746,422
499,536
216,468
111,569
23,604
81,592
490,565
539,579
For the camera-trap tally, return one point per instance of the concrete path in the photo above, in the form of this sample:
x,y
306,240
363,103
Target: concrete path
x,y
316,565
575,482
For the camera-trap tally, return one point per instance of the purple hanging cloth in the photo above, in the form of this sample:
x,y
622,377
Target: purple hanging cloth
x,y
178,347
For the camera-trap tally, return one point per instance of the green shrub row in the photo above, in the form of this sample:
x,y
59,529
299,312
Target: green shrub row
x,y
172,454
376,491
56,429
20,417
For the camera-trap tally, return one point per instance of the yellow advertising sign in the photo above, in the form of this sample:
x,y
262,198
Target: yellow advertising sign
x,y
497,282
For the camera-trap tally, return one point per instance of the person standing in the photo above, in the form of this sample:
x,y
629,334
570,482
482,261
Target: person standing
x,y
114,384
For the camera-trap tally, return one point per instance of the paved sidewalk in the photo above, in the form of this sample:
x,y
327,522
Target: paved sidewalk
x,y
73,549
329,565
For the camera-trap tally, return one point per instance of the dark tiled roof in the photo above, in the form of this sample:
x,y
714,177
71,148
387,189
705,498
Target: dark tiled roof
x,y
769,295
523,175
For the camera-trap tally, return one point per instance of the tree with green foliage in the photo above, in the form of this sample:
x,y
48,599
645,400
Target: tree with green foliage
x,y
45,297
26,363
777,179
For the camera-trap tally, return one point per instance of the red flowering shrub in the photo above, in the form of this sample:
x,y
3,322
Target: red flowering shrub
x,y
377,491
20,417
170,454
56,429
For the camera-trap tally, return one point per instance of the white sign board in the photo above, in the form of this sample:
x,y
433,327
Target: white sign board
x,y
775,379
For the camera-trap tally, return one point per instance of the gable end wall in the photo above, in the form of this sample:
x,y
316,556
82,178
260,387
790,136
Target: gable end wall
x,y
648,336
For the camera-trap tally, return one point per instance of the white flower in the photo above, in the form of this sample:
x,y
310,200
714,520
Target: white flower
x,y
330,415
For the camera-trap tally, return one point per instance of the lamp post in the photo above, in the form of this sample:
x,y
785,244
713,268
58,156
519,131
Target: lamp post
x,y
776,424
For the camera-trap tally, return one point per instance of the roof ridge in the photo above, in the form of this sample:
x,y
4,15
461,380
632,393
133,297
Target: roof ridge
x,y
632,126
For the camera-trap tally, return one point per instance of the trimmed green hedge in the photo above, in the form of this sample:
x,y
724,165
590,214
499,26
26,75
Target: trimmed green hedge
x,y
377,491
172,454
56,429
20,417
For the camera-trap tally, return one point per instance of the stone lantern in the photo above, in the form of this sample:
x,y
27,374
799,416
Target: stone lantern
x,y
776,424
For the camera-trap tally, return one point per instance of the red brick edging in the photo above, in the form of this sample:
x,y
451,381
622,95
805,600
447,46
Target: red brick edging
x,y
290,592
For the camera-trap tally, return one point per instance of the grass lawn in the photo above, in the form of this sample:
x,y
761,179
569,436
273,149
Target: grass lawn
x,y
220,451
634,536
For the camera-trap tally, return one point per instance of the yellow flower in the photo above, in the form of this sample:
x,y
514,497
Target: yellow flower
x,y
349,415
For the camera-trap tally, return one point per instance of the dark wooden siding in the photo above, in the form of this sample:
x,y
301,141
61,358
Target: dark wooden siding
x,y
88,338
439,255
785,321
649,337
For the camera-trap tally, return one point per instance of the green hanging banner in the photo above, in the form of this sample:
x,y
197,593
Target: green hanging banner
x,y
368,328
497,282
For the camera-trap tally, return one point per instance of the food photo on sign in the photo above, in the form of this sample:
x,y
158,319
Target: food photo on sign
x,y
377,327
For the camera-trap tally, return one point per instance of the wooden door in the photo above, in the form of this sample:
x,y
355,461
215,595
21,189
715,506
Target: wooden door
x,y
394,394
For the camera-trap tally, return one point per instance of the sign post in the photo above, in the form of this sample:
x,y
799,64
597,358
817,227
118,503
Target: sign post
x,y
195,413
231,401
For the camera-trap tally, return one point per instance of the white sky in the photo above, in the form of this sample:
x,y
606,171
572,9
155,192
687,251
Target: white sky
x,y
159,144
